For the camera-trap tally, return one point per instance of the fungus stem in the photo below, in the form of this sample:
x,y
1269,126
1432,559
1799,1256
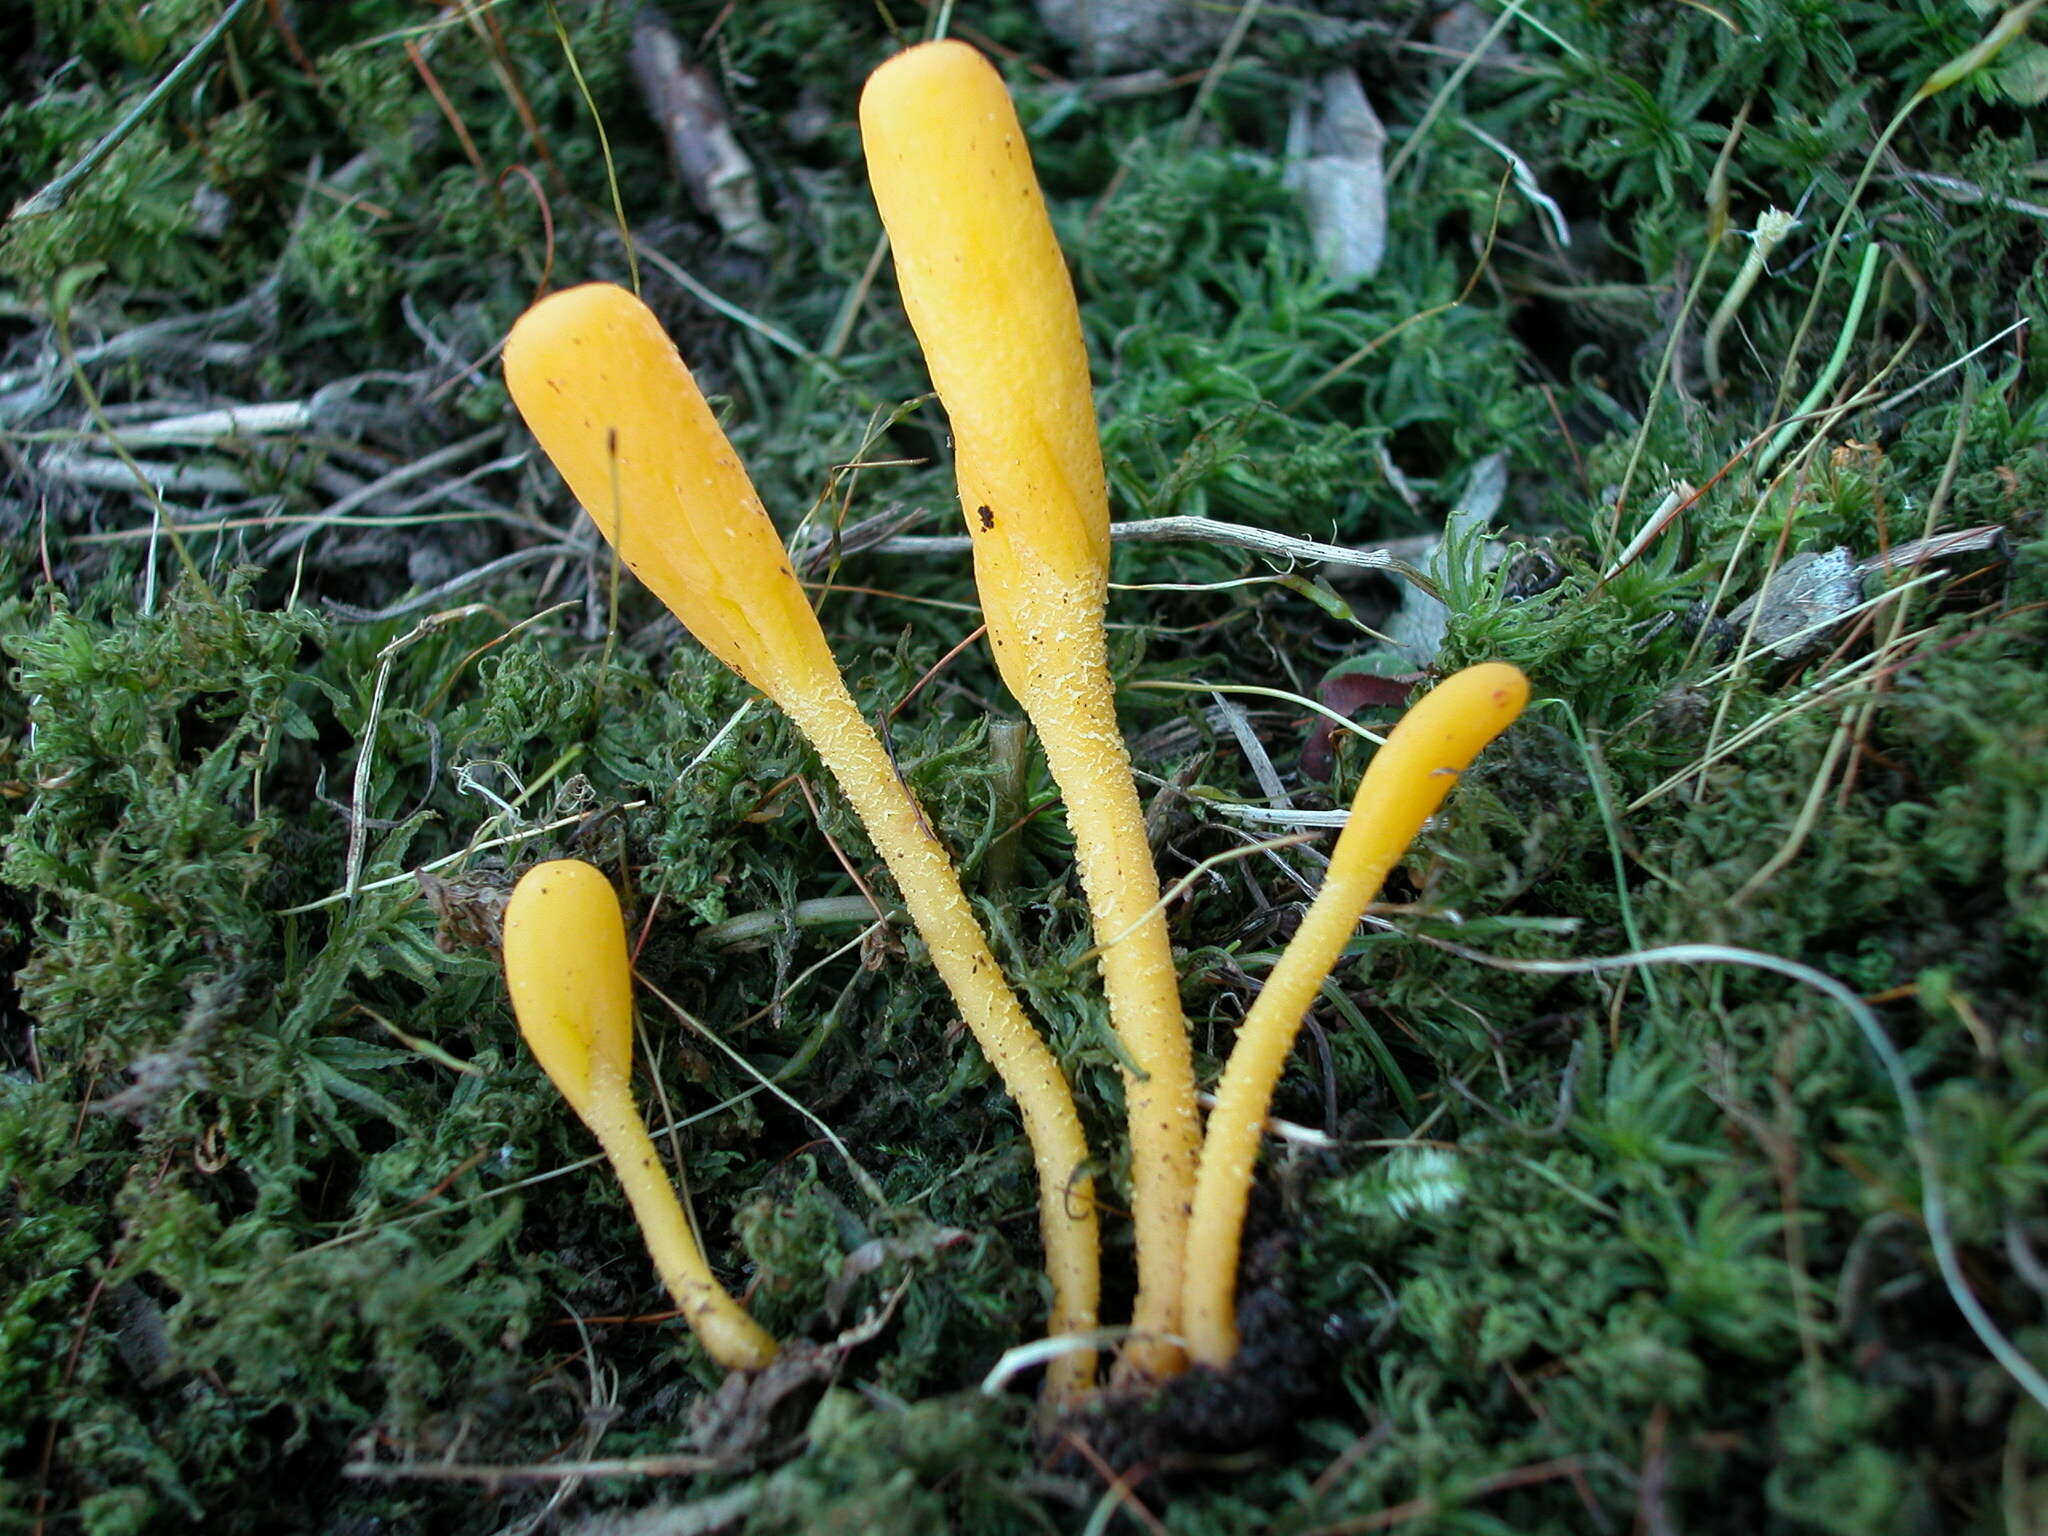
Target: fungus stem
x,y
1404,784
846,743
1058,669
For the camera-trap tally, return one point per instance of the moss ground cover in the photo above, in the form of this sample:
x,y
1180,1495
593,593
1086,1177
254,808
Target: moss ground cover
x,y
309,655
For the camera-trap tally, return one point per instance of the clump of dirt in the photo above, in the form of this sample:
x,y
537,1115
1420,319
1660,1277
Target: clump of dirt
x,y
1284,1370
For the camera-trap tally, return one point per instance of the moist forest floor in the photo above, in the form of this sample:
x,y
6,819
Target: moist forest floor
x,y
294,1235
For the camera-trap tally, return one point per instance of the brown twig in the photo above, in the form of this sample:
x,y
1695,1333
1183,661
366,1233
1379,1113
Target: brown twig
x,y
1119,1486
1427,1504
433,84
839,853
934,670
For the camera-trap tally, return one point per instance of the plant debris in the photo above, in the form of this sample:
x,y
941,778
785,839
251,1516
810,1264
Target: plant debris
x,y
708,157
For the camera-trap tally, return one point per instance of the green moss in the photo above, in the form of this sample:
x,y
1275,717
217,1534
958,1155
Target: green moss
x,y
278,1187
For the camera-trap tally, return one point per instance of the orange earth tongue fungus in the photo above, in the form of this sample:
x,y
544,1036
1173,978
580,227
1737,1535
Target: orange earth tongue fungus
x,y
987,292
572,991
1404,784
611,403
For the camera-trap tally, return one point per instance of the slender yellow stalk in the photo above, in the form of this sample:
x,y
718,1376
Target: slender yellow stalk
x,y
931,891
615,409
987,292
1404,783
572,991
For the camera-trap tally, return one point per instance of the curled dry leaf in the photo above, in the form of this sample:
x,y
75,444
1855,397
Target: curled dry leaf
x,y
1341,176
1798,611
469,910
747,1419
1350,694
1792,612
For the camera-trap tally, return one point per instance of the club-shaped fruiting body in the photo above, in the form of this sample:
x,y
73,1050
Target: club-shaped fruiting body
x,y
571,982
612,405
1407,779
987,292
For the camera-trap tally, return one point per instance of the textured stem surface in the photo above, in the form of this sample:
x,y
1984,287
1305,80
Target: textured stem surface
x,y
1404,784
728,1334
987,292
1052,654
937,905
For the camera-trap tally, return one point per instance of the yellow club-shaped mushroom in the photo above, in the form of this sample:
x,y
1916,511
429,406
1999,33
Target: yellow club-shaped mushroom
x,y
572,991
1404,784
987,292
611,403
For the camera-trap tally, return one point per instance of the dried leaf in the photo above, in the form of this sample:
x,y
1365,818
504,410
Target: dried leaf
x,y
1794,607
1341,177
1350,693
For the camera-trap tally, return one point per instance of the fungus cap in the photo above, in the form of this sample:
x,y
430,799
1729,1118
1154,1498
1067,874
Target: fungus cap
x,y
987,291
571,979
613,406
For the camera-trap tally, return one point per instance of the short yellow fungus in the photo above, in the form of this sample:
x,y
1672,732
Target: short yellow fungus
x,y
571,982
611,403
1404,784
987,292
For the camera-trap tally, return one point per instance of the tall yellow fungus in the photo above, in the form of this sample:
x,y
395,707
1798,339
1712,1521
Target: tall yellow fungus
x,y
987,292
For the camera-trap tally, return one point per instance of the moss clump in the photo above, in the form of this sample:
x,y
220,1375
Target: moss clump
x,y
279,1192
